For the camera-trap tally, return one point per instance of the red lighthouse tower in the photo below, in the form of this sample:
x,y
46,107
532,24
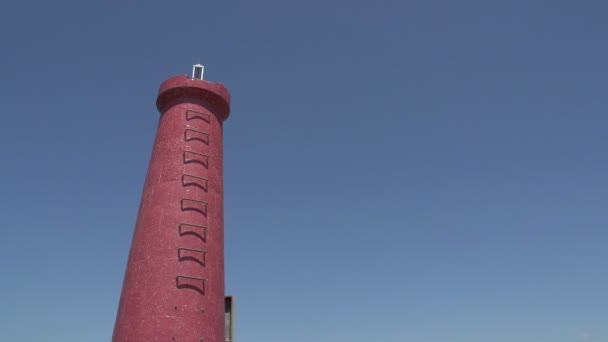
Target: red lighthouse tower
x,y
174,283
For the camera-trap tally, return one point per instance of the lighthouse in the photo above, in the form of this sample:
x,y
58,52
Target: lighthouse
x,y
173,288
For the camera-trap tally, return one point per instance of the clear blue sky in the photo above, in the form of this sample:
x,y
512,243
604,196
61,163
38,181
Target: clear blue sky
x,y
395,171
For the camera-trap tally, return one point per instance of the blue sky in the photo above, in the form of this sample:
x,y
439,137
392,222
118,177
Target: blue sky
x,y
394,170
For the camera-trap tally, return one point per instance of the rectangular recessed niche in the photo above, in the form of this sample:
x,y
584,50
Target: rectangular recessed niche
x,y
193,283
194,115
195,157
193,229
192,134
189,254
194,205
192,180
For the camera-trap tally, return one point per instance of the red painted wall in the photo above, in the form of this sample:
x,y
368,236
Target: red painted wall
x,y
174,284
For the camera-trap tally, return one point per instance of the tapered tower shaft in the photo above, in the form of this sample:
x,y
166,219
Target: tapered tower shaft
x,y
174,283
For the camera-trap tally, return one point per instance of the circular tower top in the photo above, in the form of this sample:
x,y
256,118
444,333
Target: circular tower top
x,y
185,88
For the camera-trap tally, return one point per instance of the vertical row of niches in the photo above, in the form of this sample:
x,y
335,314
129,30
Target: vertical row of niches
x,y
197,140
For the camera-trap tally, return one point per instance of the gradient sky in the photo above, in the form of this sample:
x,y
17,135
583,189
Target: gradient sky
x,y
426,170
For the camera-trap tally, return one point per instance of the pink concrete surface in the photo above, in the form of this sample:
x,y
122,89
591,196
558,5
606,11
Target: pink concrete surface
x,y
179,232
